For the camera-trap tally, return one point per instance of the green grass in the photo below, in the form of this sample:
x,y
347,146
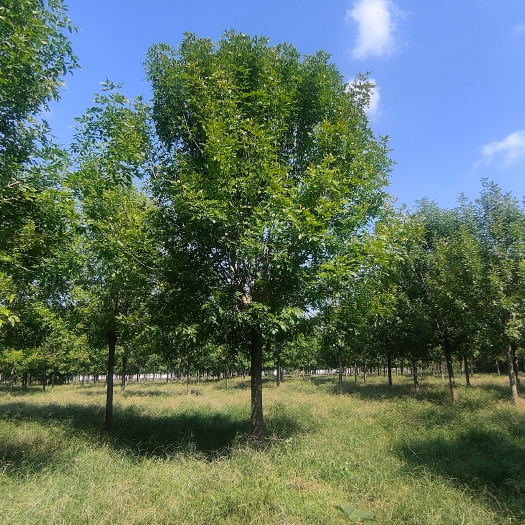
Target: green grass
x,y
408,458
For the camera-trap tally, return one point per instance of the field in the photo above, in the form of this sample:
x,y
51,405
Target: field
x,y
403,457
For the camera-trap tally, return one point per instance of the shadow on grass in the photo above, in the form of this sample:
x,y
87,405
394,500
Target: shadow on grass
x,y
489,461
18,392
205,432
431,389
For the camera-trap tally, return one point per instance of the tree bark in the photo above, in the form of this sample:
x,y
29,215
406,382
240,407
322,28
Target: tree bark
x,y
124,371
256,385
450,369
278,377
389,366
112,343
512,375
188,376
516,367
467,370
340,355
415,376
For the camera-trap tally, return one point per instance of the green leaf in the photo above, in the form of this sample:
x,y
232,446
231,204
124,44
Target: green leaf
x,y
356,515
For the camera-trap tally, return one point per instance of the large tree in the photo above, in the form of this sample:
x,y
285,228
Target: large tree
x,y
271,169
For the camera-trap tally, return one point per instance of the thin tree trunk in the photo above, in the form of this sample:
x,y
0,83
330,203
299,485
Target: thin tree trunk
x,y
415,376
124,372
278,377
467,370
340,355
112,343
389,367
256,385
450,369
188,376
512,376
516,367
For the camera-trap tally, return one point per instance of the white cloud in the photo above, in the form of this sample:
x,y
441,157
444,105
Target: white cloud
x,y
509,151
376,27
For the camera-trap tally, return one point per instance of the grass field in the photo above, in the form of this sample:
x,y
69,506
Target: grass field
x,y
405,457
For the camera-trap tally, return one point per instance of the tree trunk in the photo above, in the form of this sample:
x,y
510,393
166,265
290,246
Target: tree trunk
x,y
512,376
516,367
340,355
112,343
415,376
278,377
24,380
467,371
450,369
256,385
124,371
389,367
188,376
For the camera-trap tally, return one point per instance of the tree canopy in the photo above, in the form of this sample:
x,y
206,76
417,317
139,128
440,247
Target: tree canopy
x,y
271,171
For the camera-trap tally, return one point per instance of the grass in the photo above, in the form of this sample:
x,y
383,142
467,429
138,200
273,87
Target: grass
x,y
408,458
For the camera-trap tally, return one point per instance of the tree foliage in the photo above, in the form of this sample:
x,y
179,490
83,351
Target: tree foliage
x,y
272,169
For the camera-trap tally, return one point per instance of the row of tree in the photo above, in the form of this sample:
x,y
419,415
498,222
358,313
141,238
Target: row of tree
x,y
237,221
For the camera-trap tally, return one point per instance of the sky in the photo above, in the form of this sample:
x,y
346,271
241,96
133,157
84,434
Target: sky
x,y
449,74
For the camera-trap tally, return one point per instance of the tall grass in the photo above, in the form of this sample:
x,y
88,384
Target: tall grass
x,y
408,458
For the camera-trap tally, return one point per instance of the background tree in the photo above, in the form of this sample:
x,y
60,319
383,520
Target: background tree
x,y
112,151
501,229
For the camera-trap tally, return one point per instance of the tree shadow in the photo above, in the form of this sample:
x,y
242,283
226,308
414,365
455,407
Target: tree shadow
x,y
206,433
487,461
17,391
434,391
374,391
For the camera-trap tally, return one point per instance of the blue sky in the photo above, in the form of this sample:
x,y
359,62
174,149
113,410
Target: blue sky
x,y
450,74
